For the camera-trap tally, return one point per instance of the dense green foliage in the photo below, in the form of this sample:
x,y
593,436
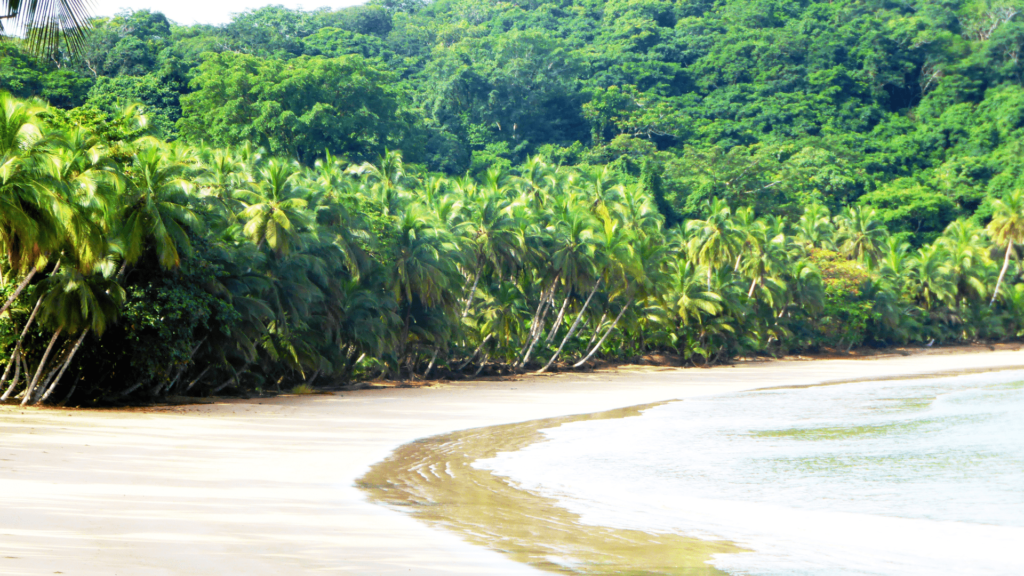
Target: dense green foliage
x,y
912,108
578,179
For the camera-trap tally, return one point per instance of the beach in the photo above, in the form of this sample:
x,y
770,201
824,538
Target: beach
x,y
269,486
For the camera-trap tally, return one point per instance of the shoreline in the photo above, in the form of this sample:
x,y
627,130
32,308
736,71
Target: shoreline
x,y
434,480
267,485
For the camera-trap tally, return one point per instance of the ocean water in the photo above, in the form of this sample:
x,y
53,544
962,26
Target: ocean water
x,y
890,478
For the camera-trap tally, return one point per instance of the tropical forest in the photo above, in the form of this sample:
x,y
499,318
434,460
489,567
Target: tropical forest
x,y
412,190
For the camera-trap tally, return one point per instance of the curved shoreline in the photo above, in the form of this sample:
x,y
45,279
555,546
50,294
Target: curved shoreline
x,y
434,480
267,486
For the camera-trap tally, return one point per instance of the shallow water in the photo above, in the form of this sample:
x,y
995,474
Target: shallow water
x,y
901,477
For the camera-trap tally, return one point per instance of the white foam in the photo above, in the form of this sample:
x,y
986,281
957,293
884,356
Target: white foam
x,y
908,477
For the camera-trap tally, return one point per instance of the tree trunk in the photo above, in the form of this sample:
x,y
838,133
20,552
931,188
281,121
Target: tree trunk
x,y
198,378
42,365
65,367
350,363
558,319
237,377
541,308
131,389
1006,264
432,360
607,332
24,332
482,364
475,352
17,291
572,329
184,368
597,329
536,327
61,357
472,292
17,373
533,342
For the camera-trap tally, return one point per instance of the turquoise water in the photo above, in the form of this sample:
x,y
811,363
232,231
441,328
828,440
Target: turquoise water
x,y
894,478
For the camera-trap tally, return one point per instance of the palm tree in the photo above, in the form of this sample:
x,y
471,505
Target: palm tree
x,y
688,298
50,23
815,229
714,240
968,256
73,303
156,209
424,267
274,208
1007,226
28,230
859,235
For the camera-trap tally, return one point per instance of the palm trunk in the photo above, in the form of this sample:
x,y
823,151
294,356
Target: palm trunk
x,y
198,378
65,367
753,284
44,384
535,328
472,292
17,291
7,371
1006,264
597,329
24,332
534,340
475,352
482,364
572,329
237,378
17,373
184,368
350,363
432,360
558,319
17,346
131,389
42,365
607,332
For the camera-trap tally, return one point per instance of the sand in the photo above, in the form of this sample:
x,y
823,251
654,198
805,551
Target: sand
x,y
267,486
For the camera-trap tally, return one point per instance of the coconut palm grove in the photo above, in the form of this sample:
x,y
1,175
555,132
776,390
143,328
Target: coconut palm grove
x,y
413,190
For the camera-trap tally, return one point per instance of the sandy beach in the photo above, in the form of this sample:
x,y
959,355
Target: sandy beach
x,y
268,486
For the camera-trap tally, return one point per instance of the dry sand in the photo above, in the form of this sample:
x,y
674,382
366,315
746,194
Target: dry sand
x,y
266,486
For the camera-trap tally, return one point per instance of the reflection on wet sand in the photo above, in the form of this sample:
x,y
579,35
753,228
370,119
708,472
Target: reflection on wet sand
x,y
434,480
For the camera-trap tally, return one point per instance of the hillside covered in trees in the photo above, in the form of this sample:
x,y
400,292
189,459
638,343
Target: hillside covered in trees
x,y
411,190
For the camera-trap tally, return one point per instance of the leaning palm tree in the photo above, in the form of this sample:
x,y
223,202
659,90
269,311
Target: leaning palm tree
x,y
1007,226
72,303
27,229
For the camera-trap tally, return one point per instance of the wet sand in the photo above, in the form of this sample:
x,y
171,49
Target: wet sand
x,y
269,486
434,479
